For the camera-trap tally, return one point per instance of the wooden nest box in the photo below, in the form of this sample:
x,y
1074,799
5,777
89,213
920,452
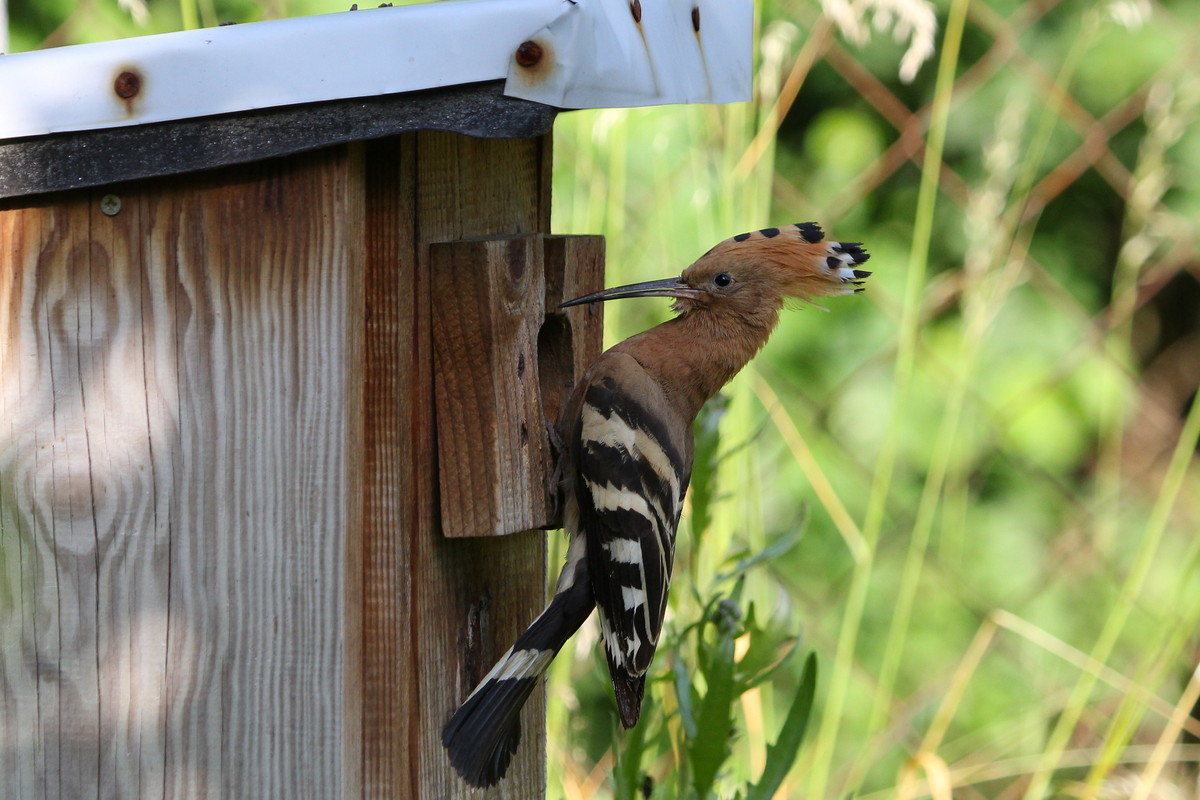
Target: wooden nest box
x,y
279,335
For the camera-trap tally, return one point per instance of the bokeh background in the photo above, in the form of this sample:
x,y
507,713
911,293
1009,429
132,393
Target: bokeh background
x,y
971,492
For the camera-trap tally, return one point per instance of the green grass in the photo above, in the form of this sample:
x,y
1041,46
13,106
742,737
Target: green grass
x,y
1000,585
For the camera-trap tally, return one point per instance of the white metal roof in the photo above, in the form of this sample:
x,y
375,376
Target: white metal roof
x,y
585,54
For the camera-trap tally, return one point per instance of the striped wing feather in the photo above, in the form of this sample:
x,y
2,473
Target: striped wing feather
x,y
633,467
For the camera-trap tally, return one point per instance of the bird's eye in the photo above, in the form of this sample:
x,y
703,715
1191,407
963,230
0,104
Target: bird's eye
x,y
722,280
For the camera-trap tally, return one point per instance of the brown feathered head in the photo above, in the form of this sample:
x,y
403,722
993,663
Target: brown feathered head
x,y
755,272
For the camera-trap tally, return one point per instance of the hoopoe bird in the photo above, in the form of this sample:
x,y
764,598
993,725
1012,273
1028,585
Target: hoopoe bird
x,y
625,461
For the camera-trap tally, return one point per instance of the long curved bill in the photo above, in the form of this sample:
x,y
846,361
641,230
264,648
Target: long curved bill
x,y
667,287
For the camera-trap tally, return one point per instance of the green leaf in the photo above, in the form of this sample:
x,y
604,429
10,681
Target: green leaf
x,y
707,433
747,561
710,747
782,754
767,650
712,613
683,695
735,601
628,772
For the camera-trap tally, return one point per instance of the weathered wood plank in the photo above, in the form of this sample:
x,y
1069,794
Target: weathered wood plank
x,y
493,457
392,471
51,658
22,758
254,706
133,645
222,570
473,596
571,338
505,359
470,188
174,480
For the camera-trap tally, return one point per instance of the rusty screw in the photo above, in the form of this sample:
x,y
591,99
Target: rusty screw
x,y
529,54
127,85
635,8
696,19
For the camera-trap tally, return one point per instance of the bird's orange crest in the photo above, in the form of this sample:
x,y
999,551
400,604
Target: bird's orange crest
x,y
794,261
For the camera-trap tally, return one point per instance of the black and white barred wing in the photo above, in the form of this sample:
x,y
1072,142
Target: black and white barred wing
x,y
633,470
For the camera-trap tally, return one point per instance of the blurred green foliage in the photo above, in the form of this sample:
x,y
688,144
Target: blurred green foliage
x,y
1000,573
1034,435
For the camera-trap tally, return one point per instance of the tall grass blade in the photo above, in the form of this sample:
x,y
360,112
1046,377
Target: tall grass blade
x,y
782,755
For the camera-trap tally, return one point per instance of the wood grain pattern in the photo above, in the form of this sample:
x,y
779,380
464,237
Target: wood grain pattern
x,y
175,522
505,359
494,460
222,568
392,474
472,596
571,338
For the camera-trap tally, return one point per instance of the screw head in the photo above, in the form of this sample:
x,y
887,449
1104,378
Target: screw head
x,y
127,85
110,205
529,54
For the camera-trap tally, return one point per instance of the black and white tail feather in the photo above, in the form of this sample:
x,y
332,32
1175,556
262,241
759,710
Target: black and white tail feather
x,y
482,736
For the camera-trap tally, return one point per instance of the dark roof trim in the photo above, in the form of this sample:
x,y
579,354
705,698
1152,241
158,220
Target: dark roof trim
x,y
56,162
